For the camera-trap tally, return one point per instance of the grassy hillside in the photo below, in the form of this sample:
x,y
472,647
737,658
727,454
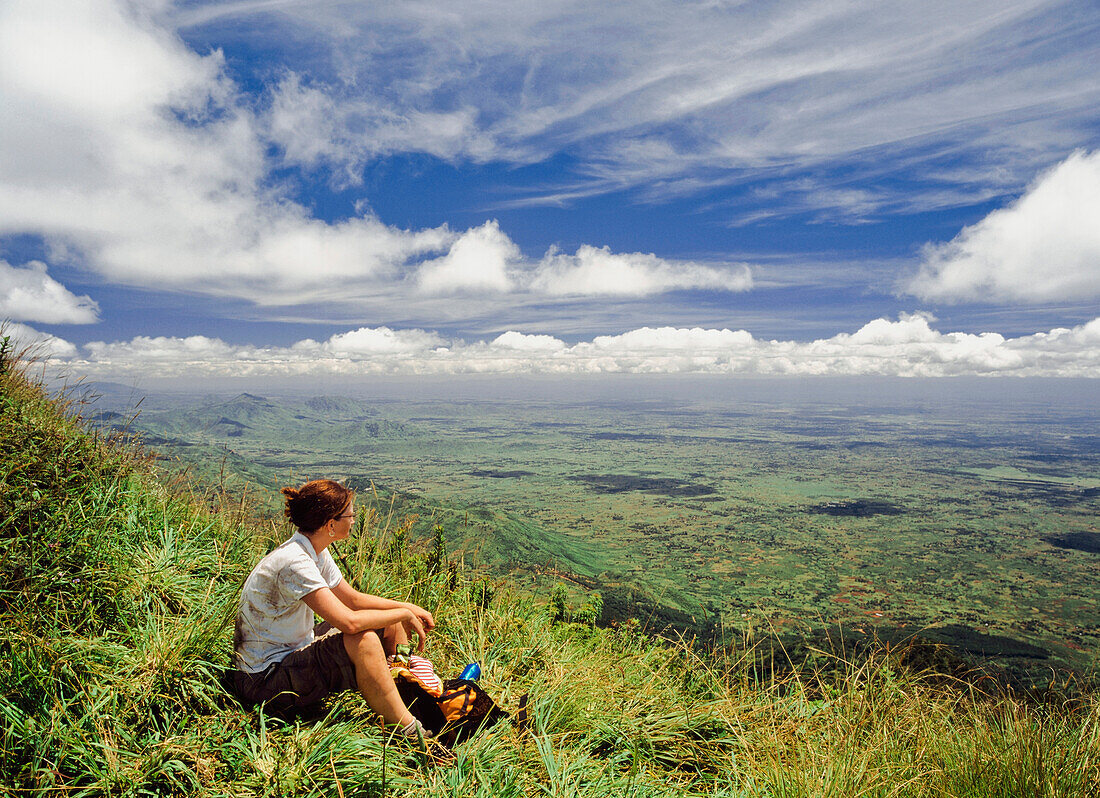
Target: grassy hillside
x,y
117,595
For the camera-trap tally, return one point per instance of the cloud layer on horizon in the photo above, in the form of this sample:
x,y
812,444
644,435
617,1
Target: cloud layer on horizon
x,y
906,347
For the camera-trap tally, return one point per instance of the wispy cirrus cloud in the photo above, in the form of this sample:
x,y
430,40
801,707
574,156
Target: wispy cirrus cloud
x,y
314,128
666,95
905,347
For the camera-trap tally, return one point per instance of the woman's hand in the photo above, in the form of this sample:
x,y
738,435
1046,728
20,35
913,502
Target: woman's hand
x,y
425,617
414,625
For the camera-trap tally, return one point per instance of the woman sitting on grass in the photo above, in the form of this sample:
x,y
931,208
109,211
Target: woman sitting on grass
x,y
282,659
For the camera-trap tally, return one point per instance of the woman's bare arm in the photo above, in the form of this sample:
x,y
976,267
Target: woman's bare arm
x,y
328,606
364,601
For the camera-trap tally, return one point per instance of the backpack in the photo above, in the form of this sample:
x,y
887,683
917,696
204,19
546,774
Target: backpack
x,y
458,714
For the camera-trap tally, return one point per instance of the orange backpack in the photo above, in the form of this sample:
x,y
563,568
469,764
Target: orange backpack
x,y
460,712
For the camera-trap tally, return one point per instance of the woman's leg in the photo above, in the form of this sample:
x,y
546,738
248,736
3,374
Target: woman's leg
x,y
372,674
392,637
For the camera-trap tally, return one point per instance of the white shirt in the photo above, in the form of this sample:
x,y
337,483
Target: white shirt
x,y
273,620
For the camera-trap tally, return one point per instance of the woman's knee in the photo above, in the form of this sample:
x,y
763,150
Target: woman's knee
x,y
364,646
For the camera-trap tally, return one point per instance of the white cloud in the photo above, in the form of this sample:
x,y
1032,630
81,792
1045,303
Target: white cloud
x,y
164,349
906,347
317,126
675,339
1044,246
480,260
600,272
29,294
121,144
30,343
909,329
303,121
528,343
380,341
910,347
484,259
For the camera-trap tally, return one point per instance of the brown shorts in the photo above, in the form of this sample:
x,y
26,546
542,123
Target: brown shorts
x,y
297,683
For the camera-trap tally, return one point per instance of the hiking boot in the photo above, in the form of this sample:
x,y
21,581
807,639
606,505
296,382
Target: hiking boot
x,y
436,754
432,752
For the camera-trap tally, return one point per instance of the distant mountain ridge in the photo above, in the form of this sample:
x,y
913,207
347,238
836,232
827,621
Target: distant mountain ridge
x,y
288,423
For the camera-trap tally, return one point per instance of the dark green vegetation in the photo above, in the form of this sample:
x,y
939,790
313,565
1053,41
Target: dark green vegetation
x,y
622,483
859,508
117,592
1080,541
965,521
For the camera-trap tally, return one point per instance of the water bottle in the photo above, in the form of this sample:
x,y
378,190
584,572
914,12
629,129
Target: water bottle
x,y
471,672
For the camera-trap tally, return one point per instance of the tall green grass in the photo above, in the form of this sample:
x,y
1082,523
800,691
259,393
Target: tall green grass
x,y
117,596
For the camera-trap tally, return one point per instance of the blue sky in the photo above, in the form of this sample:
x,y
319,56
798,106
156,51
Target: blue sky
x,y
296,187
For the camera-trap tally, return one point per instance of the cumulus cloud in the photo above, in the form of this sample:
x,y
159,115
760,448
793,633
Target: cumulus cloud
x,y
1044,246
122,145
30,294
485,260
480,260
161,349
368,341
905,347
674,339
596,271
528,343
35,344
909,329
